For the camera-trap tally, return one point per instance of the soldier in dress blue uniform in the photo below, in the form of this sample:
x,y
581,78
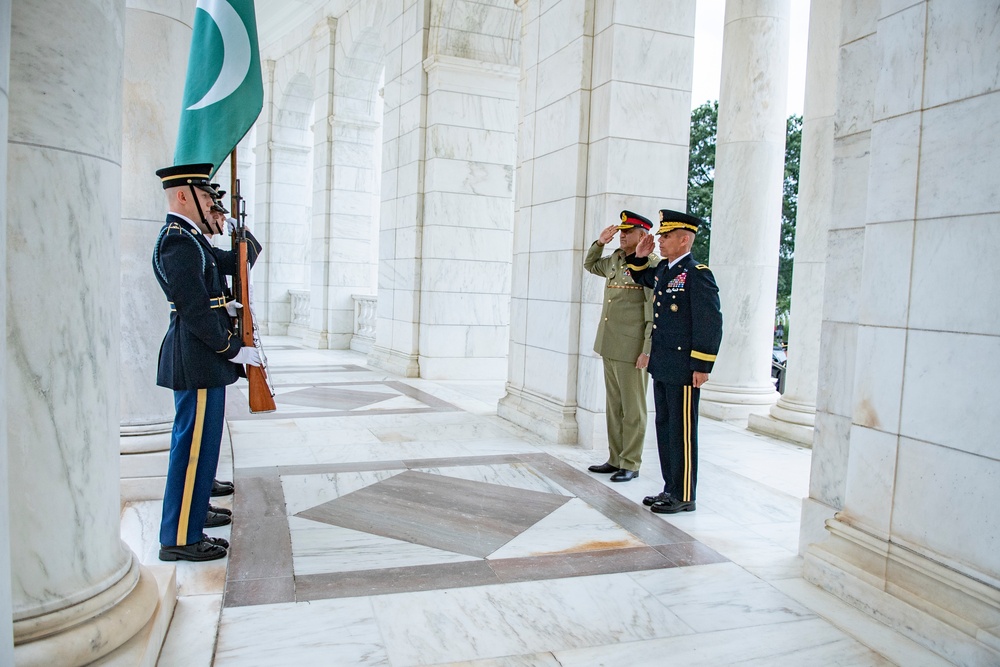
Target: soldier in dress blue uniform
x,y
623,343
687,332
199,356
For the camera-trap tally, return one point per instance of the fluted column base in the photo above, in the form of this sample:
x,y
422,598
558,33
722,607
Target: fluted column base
x,y
540,415
734,403
123,625
786,420
145,449
952,612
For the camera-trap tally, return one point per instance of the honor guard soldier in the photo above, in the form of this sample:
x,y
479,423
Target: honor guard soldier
x,y
687,332
623,343
199,356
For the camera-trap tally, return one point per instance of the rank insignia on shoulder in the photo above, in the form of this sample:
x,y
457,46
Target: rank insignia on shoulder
x,y
701,266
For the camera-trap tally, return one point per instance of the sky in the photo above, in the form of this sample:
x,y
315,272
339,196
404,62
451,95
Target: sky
x,y
708,52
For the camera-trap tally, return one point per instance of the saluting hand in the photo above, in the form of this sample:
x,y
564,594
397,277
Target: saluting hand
x,y
607,234
645,246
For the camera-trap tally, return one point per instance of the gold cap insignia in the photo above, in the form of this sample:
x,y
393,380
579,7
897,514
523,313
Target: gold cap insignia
x,y
624,217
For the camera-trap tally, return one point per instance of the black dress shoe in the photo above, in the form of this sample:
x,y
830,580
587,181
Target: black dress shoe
x,y
672,506
221,488
658,498
214,519
217,541
200,551
624,475
604,468
220,510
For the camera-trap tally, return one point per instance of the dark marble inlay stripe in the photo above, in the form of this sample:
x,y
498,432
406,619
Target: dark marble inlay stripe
x,y
462,516
261,543
248,592
455,461
639,521
394,580
684,554
579,564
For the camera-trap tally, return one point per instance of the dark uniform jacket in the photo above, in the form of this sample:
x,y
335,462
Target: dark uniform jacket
x,y
200,340
687,319
627,310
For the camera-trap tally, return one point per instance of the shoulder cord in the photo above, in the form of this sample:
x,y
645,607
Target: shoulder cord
x,y
156,250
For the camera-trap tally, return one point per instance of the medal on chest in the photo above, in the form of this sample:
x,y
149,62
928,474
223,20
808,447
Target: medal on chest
x,y
676,283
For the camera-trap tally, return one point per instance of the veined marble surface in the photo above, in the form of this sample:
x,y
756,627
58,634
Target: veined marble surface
x,y
754,608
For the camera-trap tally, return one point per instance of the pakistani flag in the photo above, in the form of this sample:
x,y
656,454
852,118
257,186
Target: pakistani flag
x,y
223,94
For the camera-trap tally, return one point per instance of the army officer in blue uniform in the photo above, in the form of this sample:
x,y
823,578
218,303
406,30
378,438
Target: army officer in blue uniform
x,y
687,332
199,356
623,343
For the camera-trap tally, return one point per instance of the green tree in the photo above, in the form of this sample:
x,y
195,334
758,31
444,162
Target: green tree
x,y
701,185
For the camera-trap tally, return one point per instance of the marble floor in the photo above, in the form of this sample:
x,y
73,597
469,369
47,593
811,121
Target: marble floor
x,y
389,521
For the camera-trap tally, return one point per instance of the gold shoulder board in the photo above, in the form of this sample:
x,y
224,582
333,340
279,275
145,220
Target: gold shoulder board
x,y
701,266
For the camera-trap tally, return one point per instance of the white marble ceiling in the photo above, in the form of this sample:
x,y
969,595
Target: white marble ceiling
x,y
277,17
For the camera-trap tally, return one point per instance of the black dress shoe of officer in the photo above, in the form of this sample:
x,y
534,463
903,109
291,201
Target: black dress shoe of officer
x,y
220,510
658,498
604,468
624,475
214,519
672,506
200,551
217,541
221,488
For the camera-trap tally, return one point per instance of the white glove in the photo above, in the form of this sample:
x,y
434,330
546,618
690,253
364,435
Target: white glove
x,y
230,225
247,356
233,308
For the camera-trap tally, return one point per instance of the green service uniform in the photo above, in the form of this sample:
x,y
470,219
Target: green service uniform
x,y
622,335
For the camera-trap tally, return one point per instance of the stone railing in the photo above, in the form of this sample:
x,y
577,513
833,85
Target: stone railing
x,y
300,307
365,312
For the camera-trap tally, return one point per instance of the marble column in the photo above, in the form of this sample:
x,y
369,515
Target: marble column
x,y
793,416
6,644
157,36
78,594
604,124
746,209
915,541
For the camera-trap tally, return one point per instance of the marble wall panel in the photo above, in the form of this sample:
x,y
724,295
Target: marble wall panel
x,y
858,19
900,82
669,16
564,72
405,337
463,341
515,364
469,210
562,123
962,55
462,308
641,112
492,180
519,275
629,167
550,326
887,264
411,115
560,175
973,241
468,275
550,374
838,351
871,472
878,378
561,24
471,144
895,156
518,319
959,158
828,471
851,161
845,262
959,529
554,276
856,81
653,58
948,377
409,183
555,226
447,242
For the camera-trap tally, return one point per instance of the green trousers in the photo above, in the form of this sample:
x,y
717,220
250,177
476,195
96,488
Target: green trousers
x,y
625,388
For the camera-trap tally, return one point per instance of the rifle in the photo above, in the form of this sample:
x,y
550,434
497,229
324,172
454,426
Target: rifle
x,y
261,393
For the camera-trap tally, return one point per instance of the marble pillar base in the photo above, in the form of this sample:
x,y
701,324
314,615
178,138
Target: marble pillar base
x,y
95,628
936,605
299,331
778,428
143,463
362,344
540,415
463,368
593,429
729,403
143,650
812,523
406,365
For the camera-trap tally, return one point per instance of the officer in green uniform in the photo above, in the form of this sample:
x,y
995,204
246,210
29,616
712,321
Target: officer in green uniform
x,y
623,342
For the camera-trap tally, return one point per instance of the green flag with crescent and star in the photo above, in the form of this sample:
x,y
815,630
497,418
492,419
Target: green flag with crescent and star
x,y
223,93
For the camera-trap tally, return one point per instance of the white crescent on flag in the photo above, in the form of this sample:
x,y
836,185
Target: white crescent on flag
x,y
236,52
